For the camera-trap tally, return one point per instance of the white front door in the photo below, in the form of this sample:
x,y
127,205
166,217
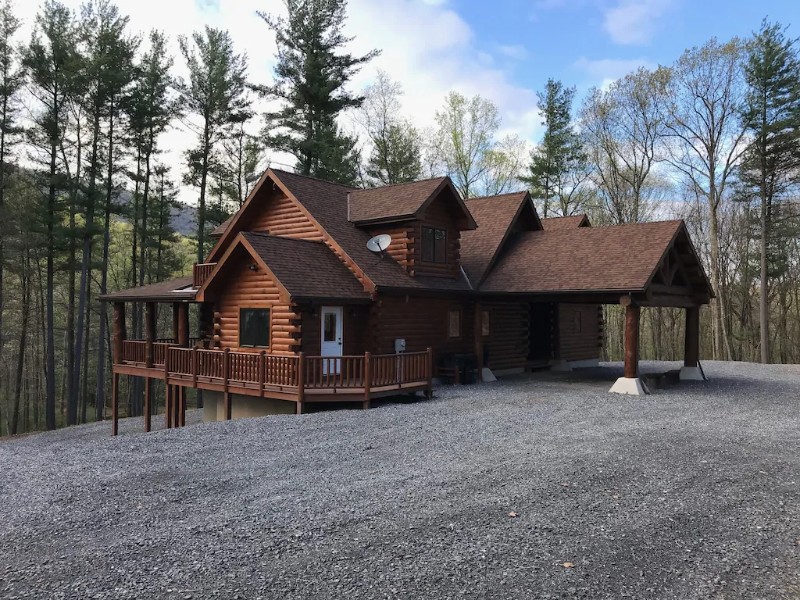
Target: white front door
x,y
331,337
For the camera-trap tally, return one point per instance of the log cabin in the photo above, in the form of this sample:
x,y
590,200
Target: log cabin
x,y
294,308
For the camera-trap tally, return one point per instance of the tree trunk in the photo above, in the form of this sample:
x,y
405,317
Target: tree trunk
x,y
23,339
86,265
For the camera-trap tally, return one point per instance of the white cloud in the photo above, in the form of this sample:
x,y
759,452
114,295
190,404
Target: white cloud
x,y
633,22
514,51
426,46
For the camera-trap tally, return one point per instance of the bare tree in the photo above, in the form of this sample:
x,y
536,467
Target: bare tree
x,y
705,94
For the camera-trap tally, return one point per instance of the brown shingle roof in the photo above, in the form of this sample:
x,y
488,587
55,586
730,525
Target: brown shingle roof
x,y
561,223
402,200
306,269
220,229
618,258
172,289
327,203
494,216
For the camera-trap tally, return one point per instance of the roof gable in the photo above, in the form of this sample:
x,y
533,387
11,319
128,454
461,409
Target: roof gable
x,y
303,270
569,222
497,218
617,258
404,201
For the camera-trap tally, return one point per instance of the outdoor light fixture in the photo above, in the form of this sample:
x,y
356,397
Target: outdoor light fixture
x,y
253,267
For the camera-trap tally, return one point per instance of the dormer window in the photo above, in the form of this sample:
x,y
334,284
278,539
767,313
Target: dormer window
x,y
434,245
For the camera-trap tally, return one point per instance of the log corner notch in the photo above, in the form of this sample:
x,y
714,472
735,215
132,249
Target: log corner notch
x,y
630,383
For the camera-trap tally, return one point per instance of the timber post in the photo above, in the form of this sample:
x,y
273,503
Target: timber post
x,y
183,325
367,379
149,332
692,337
148,401
175,319
114,400
301,382
182,396
195,364
226,371
429,391
632,313
167,391
479,340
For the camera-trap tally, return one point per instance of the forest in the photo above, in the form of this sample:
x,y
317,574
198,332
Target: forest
x,y
89,203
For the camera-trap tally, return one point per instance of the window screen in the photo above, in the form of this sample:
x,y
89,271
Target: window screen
x,y
254,327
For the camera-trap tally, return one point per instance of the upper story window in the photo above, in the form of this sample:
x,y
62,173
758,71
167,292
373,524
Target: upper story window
x,y
434,245
254,327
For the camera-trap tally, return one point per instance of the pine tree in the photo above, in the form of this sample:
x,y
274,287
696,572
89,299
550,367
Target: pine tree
x,y
771,162
51,61
560,149
11,80
215,95
311,74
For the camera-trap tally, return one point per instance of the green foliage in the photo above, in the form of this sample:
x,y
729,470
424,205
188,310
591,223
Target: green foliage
x,y
560,152
310,78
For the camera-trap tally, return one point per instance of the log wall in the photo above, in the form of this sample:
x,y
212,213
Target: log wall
x,y
283,218
355,332
423,322
506,346
580,331
255,289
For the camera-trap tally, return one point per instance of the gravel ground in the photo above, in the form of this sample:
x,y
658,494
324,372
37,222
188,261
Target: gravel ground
x,y
534,487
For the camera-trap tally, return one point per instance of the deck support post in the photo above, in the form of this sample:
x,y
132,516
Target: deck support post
x,y
301,382
367,380
168,406
429,361
226,372
148,402
182,392
630,383
114,403
691,358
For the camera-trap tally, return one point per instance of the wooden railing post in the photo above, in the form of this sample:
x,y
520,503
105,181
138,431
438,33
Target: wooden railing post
x,y
195,365
167,392
429,367
367,379
149,332
226,395
301,381
262,372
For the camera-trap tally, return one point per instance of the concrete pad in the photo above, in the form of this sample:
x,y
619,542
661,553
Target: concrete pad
x,y
691,374
487,375
588,363
632,386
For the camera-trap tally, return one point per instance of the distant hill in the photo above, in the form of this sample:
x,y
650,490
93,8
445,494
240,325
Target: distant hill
x,y
183,217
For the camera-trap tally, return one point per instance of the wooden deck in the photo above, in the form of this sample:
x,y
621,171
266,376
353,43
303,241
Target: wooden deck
x,y
294,378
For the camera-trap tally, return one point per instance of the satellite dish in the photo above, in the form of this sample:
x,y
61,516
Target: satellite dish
x,y
379,243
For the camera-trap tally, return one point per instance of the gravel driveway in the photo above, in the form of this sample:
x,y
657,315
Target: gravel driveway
x,y
533,487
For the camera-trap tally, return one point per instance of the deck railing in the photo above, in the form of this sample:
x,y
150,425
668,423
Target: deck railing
x,y
262,370
200,273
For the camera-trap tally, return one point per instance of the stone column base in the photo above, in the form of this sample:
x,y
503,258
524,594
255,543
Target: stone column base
x,y
632,386
691,374
487,375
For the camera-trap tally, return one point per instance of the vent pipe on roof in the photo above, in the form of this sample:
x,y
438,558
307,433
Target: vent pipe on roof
x,y
348,206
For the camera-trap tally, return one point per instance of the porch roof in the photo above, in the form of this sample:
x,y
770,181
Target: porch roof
x,y
172,290
618,259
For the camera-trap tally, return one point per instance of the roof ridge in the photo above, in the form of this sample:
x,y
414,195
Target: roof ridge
x,y
347,187
565,217
391,185
496,196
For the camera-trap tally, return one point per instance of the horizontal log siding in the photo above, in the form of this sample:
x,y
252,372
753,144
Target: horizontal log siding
x,y
580,331
354,333
440,215
283,218
507,342
255,289
422,322
402,248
